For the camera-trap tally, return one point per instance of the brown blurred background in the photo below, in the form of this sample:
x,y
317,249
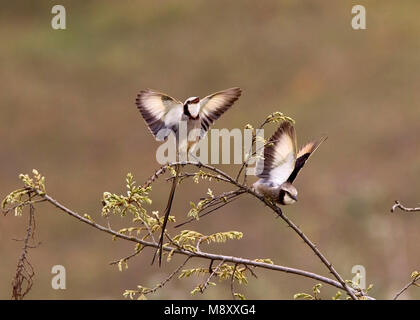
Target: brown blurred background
x,y
67,109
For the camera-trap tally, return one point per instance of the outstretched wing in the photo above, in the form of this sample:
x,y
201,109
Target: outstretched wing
x,y
160,111
303,155
214,105
279,155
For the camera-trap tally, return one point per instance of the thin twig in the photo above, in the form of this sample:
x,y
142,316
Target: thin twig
x,y
252,272
23,280
206,283
155,176
232,279
190,175
167,279
125,258
204,213
149,231
403,208
408,285
245,163
23,204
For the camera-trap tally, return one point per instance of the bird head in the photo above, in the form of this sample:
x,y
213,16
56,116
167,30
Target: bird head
x,y
288,193
192,107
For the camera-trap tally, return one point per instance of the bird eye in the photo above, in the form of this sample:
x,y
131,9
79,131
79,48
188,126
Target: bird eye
x,y
196,100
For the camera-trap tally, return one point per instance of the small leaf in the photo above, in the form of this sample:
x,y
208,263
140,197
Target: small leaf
x,y
303,296
240,296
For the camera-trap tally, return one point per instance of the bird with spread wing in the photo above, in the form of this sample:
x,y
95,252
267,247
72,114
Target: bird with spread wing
x,y
277,169
164,115
281,164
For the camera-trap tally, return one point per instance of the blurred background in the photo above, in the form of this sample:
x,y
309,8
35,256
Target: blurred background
x,y
67,109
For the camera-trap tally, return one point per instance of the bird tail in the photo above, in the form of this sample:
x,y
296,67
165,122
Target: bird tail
x,y
166,214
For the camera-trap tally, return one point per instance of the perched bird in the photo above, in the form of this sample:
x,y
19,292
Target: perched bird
x,y
281,165
164,114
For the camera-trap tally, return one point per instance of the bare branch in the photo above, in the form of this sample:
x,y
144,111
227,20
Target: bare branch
x,y
232,279
219,201
155,176
251,271
403,208
206,283
167,279
125,258
23,279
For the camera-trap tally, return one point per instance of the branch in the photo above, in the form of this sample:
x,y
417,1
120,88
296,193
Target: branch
x,y
201,254
279,212
415,282
245,163
215,204
204,286
403,208
167,279
138,195
232,279
21,205
23,280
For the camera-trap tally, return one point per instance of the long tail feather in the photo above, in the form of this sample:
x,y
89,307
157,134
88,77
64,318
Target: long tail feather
x,y
167,211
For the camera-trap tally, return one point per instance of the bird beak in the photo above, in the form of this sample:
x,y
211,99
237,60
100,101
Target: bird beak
x,y
293,197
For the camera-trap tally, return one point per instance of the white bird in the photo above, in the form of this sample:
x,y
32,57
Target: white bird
x,y
164,114
281,165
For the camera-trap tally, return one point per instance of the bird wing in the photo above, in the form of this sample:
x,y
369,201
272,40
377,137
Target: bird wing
x,y
279,155
214,105
303,155
160,111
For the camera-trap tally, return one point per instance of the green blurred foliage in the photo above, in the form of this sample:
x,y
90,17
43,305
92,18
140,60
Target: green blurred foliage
x,y
67,108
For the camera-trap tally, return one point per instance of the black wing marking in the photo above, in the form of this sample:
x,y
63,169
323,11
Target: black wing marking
x,y
214,105
303,156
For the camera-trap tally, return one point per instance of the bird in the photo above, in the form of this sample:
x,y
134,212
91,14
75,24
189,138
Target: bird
x,y
164,115
281,164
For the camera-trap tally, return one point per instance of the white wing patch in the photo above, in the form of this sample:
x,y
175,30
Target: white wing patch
x,y
280,174
279,155
284,159
161,112
214,105
173,117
